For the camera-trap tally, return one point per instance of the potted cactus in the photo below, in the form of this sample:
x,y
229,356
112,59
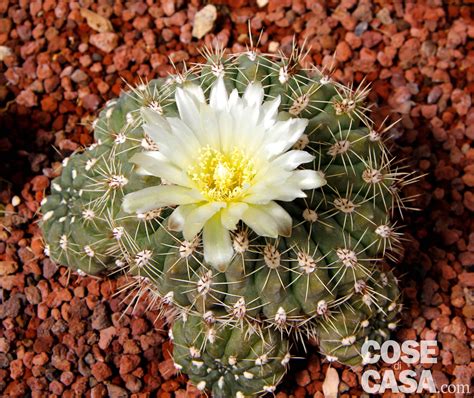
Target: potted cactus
x,y
250,196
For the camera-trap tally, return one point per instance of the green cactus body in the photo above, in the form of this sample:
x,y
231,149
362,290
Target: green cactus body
x,y
369,314
229,361
306,263
82,221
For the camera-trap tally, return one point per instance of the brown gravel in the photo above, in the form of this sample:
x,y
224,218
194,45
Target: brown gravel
x,y
62,335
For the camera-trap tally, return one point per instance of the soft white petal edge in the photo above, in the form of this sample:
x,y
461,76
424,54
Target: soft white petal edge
x,y
198,217
268,220
151,198
218,250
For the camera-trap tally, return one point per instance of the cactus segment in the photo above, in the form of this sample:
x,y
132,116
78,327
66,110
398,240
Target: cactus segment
x,y
229,361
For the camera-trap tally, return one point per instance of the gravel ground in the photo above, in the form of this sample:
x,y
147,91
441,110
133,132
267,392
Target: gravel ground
x,y
63,335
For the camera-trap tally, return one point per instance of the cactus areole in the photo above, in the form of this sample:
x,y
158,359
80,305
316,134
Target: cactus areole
x,y
250,196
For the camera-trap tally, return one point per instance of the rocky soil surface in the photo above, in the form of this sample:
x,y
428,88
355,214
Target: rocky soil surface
x,y
62,335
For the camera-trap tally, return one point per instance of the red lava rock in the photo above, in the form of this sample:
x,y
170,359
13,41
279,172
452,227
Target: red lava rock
x,y
99,391
56,387
439,378
4,345
167,369
170,385
132,383
43,344
103,87
131,347
106,336
79,386
461,101
429,111
15,389
33,295
90,102
27,98
105,41
11,307
101,371
39,183
303,378
466,258
100,319
463,376
128,363
457,328
16,369
400,100
115,391
139,326
349,378
343,51
49,268
467,279
40,359
168,7
79,76
8,267
67,378
459,349
49,104
43,71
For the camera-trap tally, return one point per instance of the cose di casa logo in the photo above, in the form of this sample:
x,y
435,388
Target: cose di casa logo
x,y
392,353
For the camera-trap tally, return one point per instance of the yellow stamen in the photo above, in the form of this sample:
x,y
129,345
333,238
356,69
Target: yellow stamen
x,y
222,176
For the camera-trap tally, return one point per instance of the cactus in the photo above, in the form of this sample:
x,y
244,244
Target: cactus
x,y
247,191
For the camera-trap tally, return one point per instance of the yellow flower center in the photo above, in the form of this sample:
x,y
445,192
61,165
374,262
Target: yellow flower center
x,y
221,176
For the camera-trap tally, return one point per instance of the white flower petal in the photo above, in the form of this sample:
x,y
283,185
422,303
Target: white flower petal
x,y
268,177
177,219
218,98
260,221
308,179
184,134
218,250
290,160
167,145
195,91
269,112
232,214
253,95
159,196
234,99
158,135
153,118
154,163
187,108
280,216
196,219
155,125
283,135
209,132
142,172
227,133
295,185
289,193
278,184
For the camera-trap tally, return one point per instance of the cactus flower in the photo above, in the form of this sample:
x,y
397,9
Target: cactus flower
x,y
223,161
